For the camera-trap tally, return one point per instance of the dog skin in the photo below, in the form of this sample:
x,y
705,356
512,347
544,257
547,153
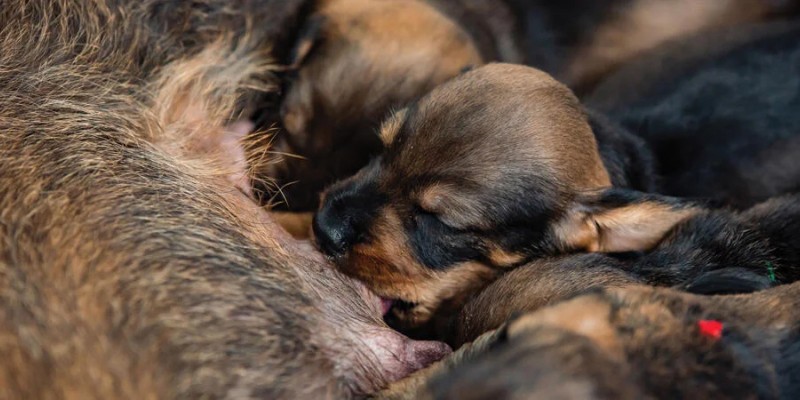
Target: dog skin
x,y
633,342
492,169
133,263
356,60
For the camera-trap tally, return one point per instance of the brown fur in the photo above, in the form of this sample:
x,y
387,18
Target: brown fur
x,y
297,224
502,156
647,23
364,58
631,342
531,287
132,264
355,61
633,227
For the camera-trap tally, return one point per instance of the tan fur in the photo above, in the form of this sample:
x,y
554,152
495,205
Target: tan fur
x,y
648,23
636,227
531,287
392,272
501,257
583,316
391,126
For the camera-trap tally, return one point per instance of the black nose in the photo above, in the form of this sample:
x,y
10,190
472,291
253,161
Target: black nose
x,y
334,229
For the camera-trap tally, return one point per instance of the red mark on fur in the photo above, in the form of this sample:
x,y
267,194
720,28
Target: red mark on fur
x,y
710,328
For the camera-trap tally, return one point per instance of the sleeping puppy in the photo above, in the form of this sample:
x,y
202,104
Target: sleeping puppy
x,y
632,343
356,60
488,171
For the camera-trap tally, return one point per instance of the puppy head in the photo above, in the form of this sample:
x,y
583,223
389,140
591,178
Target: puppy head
x,y
355,60
487,171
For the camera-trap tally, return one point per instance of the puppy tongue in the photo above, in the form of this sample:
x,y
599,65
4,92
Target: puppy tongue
x,y
386,305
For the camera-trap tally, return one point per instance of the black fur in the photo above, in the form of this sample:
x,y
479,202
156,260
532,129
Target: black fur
x,y
626,156
338,225
724,251
662,351
551,30
723,126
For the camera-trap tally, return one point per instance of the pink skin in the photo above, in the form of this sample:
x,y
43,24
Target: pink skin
x,y
386,305
231,145
369,354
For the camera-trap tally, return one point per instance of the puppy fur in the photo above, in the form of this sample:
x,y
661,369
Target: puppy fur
x,y
501,165
718,113
356,60
634,342
713,252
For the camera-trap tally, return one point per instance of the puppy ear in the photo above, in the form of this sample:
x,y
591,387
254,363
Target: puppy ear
x,y
391,126
308,37
618,220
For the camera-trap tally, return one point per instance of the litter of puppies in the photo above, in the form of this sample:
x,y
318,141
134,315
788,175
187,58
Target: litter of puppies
x,y
400,199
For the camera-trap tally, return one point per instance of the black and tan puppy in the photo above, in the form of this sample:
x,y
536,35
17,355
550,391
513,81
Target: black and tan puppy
x,y
356,60
508,149
631,343
494,168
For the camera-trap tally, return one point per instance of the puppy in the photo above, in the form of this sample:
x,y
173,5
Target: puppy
x,y
492,169
634,342
356,60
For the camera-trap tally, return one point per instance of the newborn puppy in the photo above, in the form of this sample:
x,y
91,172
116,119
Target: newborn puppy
x,y
356,60
490,170
633,343
473,176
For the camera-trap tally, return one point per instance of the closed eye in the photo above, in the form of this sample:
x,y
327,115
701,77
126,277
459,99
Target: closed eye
x,y
431,220
422,215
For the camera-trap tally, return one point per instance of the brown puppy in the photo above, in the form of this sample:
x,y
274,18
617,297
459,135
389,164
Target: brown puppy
x,y
132,263
508,150
356,60
634,342
500,166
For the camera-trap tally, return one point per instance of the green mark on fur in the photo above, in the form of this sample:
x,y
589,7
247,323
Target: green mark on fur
x,y
771,271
